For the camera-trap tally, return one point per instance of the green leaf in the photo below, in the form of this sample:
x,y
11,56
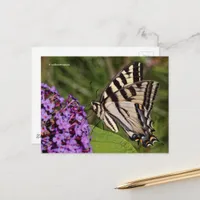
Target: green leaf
x,y
109,142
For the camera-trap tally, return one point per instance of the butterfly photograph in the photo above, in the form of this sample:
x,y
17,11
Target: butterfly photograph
x,y
104,104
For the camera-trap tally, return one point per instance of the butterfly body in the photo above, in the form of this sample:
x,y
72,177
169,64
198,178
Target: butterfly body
x,y
128,101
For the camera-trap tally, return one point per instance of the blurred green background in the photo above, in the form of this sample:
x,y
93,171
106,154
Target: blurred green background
x,y
86,77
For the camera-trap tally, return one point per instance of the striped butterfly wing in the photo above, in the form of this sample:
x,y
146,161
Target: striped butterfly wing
x,y
131,73
131,107
127,76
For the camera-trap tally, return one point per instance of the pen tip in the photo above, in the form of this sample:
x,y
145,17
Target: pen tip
x,y
121,187
129,186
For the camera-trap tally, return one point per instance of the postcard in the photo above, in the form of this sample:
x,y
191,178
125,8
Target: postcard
x,y
103,103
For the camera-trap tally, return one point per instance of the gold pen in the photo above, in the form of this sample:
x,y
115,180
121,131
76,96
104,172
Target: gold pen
x,y
176,176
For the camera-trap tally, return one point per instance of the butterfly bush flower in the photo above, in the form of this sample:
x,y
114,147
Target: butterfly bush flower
x,y
64,124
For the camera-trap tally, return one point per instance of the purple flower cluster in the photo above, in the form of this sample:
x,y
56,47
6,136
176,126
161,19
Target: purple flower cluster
x,y
64,124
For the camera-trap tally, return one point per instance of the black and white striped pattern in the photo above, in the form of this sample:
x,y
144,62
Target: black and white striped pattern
x,y
128,100
127,76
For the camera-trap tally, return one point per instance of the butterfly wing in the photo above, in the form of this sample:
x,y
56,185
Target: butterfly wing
x,y
110,122
127,76
132,107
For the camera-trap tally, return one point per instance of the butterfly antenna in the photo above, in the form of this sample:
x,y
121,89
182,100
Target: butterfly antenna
x,y
97,92
91,85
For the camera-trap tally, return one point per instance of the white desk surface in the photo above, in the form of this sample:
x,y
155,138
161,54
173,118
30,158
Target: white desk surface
x,y
172,25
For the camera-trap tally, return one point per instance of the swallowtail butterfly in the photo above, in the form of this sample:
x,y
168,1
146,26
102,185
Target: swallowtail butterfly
x,y
128,100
